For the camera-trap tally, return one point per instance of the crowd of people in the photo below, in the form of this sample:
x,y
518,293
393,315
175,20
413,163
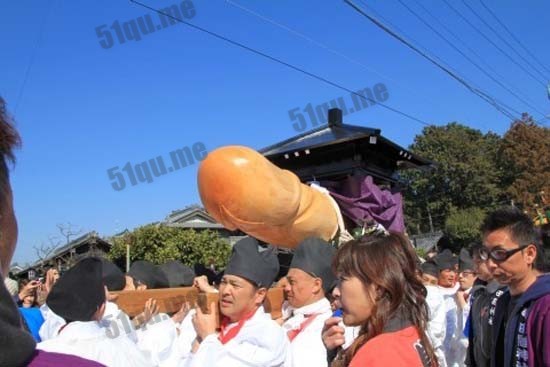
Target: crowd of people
x,y
370,301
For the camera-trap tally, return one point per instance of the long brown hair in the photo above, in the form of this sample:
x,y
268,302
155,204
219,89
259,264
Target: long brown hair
x,y
388,262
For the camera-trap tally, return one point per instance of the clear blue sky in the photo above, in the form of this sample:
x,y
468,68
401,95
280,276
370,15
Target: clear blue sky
x,y
85,109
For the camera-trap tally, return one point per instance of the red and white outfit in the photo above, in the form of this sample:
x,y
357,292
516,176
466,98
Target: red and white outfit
x,y
260,342
303,329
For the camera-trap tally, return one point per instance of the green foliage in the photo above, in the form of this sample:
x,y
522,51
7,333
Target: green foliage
x,y
462,227
158,244
420,252
466,175
525,163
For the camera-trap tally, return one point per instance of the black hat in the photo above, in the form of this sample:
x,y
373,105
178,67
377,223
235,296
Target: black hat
x,y
178,275
79,293
430,267
149,274
445,260
314,256
465,261
253,262
113,277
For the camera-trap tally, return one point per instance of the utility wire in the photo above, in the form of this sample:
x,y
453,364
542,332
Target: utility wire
x,y
323,46
411,40
279,61
493,43
468,48
474,90
503,25
36,46
503,40
482,94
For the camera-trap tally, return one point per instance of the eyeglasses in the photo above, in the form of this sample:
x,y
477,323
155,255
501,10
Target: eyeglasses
x,y
498,254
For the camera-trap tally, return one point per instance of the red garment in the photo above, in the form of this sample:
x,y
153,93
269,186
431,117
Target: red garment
x,y
397,348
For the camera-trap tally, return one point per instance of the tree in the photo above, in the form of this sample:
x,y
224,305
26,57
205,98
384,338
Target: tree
x,y
67,231
465,175
525,162
462,227
159,243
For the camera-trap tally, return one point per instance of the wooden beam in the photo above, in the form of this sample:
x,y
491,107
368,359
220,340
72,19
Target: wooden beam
x,y
170,300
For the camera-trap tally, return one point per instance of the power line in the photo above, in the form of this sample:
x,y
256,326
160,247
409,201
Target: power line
x,y
467,47
492,43
37,45
474,90
504,40
279,61
321,45
499,105
503,25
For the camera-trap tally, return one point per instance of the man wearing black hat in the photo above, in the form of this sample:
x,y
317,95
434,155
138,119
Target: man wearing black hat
x,y
456,354
248,336
145,275
79,298
436,304
309,277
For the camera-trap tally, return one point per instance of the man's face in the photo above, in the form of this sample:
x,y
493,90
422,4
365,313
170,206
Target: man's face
x,y
481,269
8,230
466,279
302,289
239,297
429,279
514,269
447,278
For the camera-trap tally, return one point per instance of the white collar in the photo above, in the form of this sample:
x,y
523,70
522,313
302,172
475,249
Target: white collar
x,y
299,314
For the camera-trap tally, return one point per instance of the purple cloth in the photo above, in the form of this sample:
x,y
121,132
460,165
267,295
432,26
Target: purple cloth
x,y
538,333
362,201
49,359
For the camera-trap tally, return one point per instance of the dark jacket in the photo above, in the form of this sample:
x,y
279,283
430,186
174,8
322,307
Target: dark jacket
x,y
480,331
526,338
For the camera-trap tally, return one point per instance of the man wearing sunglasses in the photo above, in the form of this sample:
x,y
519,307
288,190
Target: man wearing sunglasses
x,y
521,320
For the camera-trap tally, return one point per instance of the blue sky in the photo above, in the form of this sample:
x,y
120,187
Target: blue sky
x,y
85,109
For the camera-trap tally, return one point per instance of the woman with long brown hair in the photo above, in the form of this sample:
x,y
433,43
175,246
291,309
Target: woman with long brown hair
x,y
381,293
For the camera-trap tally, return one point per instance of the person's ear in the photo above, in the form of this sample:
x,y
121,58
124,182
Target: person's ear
x,y
317,285
260,296
530,254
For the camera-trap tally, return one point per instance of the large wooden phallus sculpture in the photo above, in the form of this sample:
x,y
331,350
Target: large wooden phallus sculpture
x,y
242,190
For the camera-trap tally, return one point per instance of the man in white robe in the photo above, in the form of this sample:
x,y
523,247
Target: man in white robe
x,y
309,277
79,297
248,336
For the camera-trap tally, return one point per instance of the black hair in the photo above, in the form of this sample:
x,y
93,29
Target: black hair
x,y
519,225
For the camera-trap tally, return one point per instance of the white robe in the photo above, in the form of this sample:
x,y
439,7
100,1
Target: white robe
x,y
307,348
52,323
260,343
91,341
437,323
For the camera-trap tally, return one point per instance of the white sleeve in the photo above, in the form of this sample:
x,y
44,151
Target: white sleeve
x,y
272,351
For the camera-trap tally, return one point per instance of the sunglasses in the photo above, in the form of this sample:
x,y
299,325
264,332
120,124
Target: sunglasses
x,y
498,254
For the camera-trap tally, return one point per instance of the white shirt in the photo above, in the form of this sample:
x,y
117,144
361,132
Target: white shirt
x,y
307,348
459,342
90,340
52,323
437,323
260,343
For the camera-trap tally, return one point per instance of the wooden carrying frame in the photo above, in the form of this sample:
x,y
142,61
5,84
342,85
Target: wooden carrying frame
x,y
170,300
